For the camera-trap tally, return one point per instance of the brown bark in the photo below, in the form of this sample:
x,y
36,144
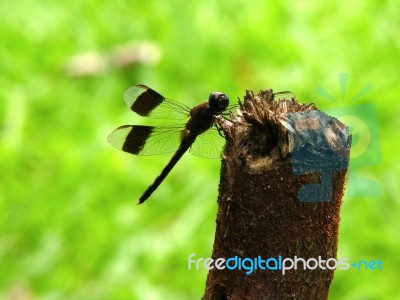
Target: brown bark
x,y
260,211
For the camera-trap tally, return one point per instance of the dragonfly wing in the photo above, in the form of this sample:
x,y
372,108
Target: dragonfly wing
x,y
146,140
208,144
148,103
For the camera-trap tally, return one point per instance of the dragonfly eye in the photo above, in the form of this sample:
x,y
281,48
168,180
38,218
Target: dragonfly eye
x,y
218,101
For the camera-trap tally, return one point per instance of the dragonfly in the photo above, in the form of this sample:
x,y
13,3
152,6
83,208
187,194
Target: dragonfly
x,y
197,135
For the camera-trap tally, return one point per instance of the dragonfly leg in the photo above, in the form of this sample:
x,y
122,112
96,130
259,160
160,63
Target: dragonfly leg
x,y
220,131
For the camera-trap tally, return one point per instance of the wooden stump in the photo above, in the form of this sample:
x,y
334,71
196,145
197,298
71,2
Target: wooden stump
x,y
282,182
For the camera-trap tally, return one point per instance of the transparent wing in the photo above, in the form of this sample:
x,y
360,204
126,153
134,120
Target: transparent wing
x,y
148,103
208,144
146,140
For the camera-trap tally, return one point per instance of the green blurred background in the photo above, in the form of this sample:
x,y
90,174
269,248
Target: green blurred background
x,y
70,228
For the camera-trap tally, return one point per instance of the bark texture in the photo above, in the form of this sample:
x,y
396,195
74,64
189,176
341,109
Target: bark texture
x,y
259,210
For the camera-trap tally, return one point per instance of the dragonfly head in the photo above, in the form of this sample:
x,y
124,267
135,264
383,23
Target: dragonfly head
x,y
218,101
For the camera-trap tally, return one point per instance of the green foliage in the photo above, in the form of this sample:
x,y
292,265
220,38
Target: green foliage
x,y
69,225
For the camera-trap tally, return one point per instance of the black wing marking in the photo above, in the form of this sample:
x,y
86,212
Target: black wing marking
x,y
148,103
146,140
